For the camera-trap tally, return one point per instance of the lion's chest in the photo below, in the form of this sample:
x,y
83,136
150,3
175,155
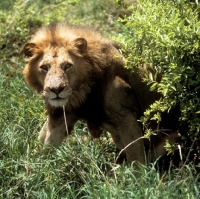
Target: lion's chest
x,y
92,111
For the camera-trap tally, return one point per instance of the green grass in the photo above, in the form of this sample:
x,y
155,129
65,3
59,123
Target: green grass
x,y
79,168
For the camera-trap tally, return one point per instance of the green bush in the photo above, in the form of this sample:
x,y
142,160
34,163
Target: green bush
x,y
166,35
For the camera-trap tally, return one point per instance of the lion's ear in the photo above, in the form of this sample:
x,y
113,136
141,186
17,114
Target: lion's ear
x,y
29,49
81,45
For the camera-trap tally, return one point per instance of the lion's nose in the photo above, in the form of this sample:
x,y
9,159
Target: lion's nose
x,y
57,90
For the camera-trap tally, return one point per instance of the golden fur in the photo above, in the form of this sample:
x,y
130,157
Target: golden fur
x,y
78,69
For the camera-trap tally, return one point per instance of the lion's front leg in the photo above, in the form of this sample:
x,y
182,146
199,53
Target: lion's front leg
x,y
43,132
127,135
132,138
94,130
53,132
126,130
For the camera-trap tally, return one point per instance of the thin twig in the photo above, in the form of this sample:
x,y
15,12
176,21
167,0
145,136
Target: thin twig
x,y
127,147
180,152
188,155
115,162
65,120
161,180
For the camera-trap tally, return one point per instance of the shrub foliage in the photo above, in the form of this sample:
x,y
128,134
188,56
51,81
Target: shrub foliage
x,y
165,35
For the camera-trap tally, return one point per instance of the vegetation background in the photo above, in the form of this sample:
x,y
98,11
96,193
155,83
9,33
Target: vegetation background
x,y
164,34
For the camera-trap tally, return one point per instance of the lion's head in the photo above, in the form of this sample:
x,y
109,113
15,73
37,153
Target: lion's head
x,y
62,63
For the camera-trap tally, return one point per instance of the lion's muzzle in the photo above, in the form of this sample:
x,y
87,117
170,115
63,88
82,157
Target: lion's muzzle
x,y
56,91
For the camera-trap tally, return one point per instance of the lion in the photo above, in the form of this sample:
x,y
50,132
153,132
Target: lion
x,y
77,70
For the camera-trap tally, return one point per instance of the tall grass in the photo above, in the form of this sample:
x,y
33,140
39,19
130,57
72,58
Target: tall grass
x,y
80,168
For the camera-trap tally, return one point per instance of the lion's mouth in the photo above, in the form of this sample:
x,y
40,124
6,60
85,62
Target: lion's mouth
x,y
58,102
54,99
58,98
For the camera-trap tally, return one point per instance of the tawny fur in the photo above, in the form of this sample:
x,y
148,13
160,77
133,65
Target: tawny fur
x,y
79,69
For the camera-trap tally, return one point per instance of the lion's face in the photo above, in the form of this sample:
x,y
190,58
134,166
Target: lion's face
x,y
55,67
59,73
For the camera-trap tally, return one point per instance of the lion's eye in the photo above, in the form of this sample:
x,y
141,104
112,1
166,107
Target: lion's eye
x,y
44,68
67,66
